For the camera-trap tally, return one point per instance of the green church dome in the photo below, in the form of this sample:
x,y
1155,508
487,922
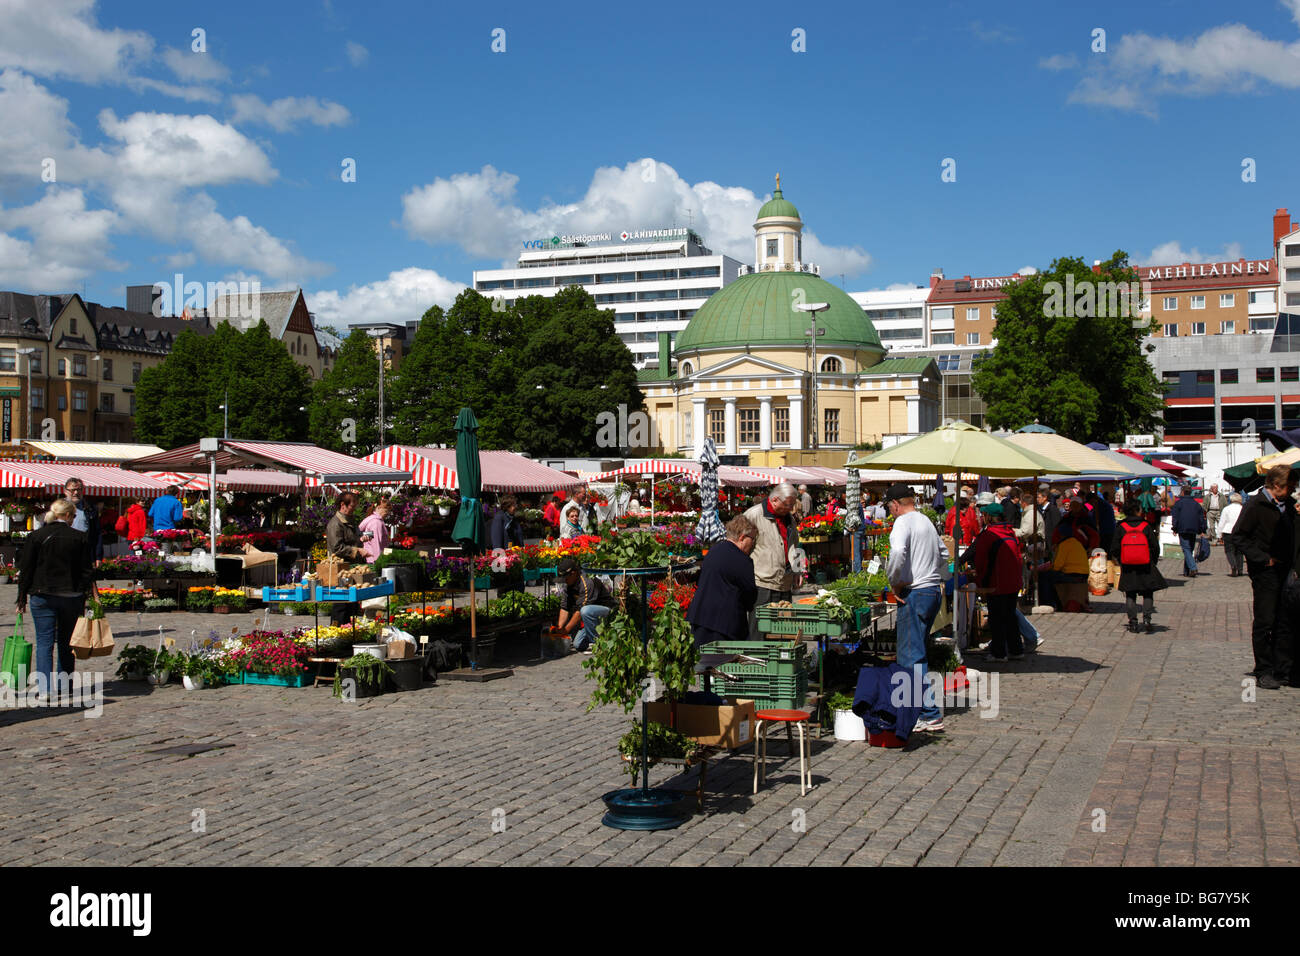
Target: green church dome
x,y
757,310
778,205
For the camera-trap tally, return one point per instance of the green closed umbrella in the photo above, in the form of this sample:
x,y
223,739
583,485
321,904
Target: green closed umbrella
x,y
469,532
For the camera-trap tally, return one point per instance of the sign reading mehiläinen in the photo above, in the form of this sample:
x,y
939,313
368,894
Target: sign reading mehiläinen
x,y
1209,270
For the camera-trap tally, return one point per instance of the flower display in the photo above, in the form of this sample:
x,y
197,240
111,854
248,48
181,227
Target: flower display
x,y
681,593
270,652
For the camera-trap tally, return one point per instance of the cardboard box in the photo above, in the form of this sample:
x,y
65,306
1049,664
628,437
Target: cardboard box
x,y
730,725
399,650
329,571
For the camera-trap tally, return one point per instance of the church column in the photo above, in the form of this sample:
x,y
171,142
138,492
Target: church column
x,y
796,421
765,422
732,445
698,433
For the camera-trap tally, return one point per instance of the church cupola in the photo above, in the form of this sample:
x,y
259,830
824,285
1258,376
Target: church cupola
x,y
778,235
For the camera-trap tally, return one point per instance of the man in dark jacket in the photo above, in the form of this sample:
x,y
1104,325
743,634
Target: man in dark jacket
x,y
504,530
997,566
726,592
1265,533
87,517
1188,521
1077,522
1010,505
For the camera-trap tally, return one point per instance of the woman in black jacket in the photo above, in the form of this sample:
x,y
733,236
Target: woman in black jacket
x,y
1138,579
56,571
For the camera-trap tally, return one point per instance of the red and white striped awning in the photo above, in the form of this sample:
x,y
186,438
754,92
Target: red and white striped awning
x,y
328,467
100,481
501,470
250,480
729,475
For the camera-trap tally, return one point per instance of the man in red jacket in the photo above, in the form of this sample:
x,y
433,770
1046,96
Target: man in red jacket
x,y
997,566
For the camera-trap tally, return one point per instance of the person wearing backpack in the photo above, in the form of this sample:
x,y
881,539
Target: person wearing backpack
x,y
1136,546
996,555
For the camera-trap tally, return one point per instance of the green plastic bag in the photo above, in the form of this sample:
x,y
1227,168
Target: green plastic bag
x,y
17,660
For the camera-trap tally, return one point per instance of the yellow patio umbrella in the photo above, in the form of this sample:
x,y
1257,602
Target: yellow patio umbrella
x,y
1289,457
1087,461
962,447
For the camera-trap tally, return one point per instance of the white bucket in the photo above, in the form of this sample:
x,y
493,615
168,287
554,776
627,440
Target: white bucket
x,y
374,650
849,726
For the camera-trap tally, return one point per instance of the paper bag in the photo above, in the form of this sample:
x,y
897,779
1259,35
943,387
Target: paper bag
x,y
254,558
329,571
92,637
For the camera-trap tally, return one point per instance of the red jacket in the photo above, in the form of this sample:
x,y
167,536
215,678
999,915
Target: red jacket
x,y
970,524
999,569
137,522
551,513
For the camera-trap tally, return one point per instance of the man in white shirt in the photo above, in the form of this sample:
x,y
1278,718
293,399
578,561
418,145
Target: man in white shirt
x,y
1227,521
918,563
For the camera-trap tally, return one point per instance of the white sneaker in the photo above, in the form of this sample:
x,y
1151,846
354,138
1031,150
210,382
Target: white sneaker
x,y
928,726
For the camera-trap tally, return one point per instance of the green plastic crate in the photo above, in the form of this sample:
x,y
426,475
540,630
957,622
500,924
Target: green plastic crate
x,y
812,621
773,692
780,658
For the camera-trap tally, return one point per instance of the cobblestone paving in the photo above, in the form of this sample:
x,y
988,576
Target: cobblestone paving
x,y
1149,729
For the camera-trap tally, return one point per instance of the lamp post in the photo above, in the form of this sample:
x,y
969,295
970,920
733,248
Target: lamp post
x,y
225,416
385,353
814,308
29,353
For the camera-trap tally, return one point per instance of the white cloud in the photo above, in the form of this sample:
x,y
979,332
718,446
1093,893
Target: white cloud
x,y
284,114
60,38
1059,61
357,53
66,241
185,150
37,127
1172,253
478,212
1232,58
195,67
402,297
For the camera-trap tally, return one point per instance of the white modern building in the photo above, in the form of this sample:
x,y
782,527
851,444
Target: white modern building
x,y
898,315
654,280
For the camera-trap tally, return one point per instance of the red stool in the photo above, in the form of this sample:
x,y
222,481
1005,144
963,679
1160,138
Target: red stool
x,y
798,718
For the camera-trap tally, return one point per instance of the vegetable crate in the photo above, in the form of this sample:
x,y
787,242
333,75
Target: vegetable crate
x,y
297,593
783,659
812,621
769,693
355,593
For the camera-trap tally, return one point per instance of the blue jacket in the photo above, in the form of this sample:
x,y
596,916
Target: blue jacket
x,y
1189,516
166,513
875,696
726,593
504,531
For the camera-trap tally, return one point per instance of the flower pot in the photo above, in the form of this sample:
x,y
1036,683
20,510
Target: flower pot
x,y
192,683
134,673
483,583
159,678
849,726
221,609
443,511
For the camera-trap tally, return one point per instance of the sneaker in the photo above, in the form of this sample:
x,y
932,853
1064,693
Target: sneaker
x,y
588,652
929,726
1034,649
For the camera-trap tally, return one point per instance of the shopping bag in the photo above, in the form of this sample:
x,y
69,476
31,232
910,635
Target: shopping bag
x,y
16,663
92,636
1202,549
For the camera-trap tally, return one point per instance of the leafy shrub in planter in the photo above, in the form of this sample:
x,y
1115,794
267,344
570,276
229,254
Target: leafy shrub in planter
x,y
200,598
160,604
228,597
663,742
397,557
146,660
369,670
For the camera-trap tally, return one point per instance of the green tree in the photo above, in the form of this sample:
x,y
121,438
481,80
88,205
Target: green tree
x,y
1070,354
345,402
180,401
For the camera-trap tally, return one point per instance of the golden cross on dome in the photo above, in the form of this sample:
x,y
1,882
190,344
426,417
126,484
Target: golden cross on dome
x,y
778,180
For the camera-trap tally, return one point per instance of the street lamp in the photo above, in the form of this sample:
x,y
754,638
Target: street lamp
x,y
814,308
385,353
29,353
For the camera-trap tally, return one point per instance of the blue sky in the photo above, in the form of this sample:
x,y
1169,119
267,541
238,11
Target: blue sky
x,y
226,163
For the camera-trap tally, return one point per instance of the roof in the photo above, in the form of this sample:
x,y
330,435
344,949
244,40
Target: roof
x,y
331,467
28,315
99,480
912,365
966,289
755,309
654,375
273,308
501,470
90,451
778,205
128,331
1244,273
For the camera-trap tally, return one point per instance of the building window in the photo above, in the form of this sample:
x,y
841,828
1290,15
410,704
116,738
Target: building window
x,y
1227,376
62,403
1198,302
1293,298
132,404
35,363
1291,373
1227,300
718,425
79,396
1291,249
771,248
1198,328
688,428
63,367
79,365
72,325
832,417
1261,325
781,426
1262,297
8,360
942,338
943,314
1227,328
972,338
106,402
747,421
78,432
1171,303
38,396
1263,375
1171,330
108,370
832,364
686,368
993,312
135,371
972,315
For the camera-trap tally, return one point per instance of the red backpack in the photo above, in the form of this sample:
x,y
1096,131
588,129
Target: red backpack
x,y
1134,548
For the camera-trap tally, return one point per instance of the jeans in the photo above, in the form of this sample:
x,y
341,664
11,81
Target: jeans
x,y
1028,633
916,613
54,618
1272,651
764,597
1188,544
591,615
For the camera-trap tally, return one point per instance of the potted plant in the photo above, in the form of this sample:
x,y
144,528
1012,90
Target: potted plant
x,y
162,664
367,673
157,605
202,671
227,600
663,742
199,598
848,725
135,661
271,657
443,504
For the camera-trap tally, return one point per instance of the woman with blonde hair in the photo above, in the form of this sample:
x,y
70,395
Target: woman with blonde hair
x,y
56,571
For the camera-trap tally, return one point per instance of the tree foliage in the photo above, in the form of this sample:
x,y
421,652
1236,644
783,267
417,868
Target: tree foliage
x,y
345,402
1071,358
493,359
179,401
